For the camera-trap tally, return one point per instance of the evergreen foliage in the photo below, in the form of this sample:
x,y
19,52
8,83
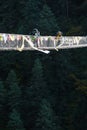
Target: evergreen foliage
x,y
14,91
11,78
36,91
2,105
47,21
31,15
59,79
46,119
37,88
22,16
15,122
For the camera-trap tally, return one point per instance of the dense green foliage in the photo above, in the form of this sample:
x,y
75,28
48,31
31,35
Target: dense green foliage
x,y
44,92
15,123
2,104
48,16
38,91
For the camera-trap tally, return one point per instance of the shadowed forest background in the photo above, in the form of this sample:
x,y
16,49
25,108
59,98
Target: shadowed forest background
x,y
39,91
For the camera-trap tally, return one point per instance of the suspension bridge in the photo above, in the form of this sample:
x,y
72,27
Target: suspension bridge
x,y
41,43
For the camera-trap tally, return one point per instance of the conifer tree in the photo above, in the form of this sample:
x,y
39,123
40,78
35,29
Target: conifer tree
x,y
14,91
11,78
31,15
9,17
2,104
37,89
15,122
35,92
47,21
46,119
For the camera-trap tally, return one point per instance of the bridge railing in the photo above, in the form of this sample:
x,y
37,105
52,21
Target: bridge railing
x,y
14,41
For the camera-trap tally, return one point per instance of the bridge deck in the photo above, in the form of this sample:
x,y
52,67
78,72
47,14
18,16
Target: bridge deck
x,y
29,42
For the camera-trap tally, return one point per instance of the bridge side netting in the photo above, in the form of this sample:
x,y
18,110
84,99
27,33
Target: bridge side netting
x,y
25,42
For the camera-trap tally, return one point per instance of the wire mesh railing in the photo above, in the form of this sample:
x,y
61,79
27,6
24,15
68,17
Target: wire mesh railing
x,y
31,42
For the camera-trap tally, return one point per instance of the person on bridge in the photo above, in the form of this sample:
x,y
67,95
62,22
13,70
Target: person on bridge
x,y
58,37
37,35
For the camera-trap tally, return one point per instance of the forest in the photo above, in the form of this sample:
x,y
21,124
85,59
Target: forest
x,y
39,91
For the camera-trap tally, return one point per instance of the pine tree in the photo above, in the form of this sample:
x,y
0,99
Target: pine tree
x,y
2,26
14,96
47,22
11,78
14,91
9,15
37,89
45,119
31,15
15,122
35,92
2,105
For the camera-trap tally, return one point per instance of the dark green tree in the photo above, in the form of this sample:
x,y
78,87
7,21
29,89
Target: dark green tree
x,y
2,105
37,88
11,78
14,91
47,22
9,15
46,119
35,91
15,122
31,15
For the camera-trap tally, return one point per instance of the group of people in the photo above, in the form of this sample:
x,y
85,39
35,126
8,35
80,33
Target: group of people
x,y
36,33
36,38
